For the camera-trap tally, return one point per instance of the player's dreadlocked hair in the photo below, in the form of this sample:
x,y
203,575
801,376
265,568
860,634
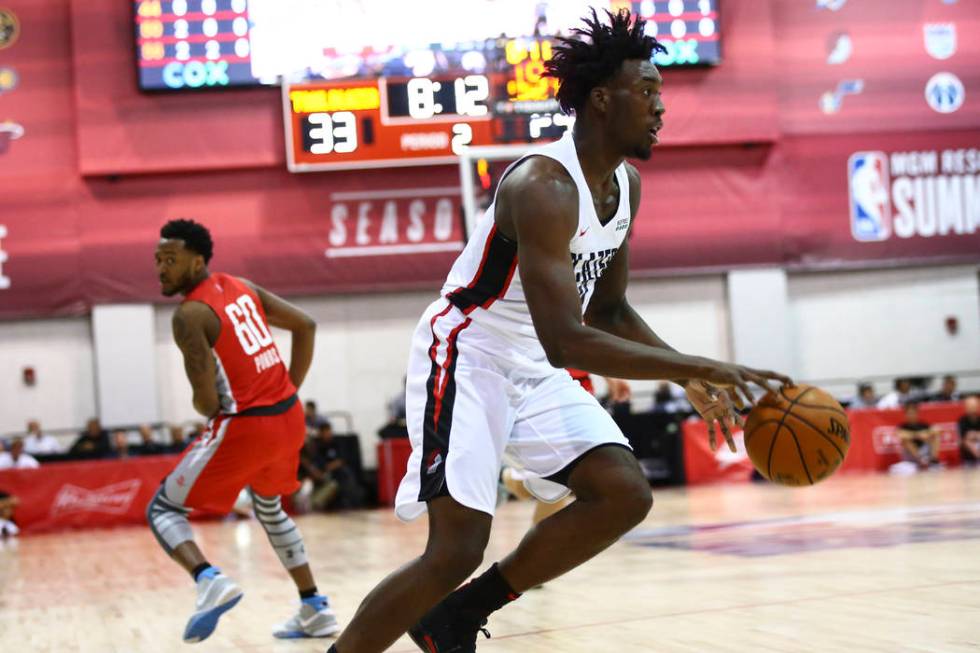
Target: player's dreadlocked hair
x,y
595,53
196,236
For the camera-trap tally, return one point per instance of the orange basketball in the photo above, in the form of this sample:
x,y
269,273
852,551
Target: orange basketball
x,y
797,436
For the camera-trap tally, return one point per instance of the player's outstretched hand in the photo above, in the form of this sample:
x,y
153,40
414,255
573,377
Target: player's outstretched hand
x,y
733,382
716,409
736,379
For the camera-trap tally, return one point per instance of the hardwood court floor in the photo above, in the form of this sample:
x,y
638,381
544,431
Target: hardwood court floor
x,y
859,564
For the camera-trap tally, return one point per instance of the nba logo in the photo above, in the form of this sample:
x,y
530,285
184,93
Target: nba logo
x,y
868,181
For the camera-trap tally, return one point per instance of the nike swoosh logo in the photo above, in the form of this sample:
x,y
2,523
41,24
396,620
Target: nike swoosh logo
x,y
582,233
307,622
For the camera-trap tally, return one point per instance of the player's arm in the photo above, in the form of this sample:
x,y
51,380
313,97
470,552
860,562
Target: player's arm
x,y
608,309
280,313
542,204
191,322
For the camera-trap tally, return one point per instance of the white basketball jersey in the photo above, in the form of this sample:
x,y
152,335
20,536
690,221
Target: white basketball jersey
x,y
484,281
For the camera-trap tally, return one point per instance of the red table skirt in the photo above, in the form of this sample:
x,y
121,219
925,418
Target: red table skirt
x,y
88,494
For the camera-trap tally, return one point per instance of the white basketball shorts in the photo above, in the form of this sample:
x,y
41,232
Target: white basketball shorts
x,y
468,412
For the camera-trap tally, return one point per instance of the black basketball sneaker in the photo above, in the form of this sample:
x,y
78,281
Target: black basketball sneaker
x,y
447,628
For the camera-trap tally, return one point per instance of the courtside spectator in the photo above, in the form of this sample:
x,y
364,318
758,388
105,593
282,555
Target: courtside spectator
x,y
947,391
178,441
395,426
93,442
865,397
920,441
313,418
15,458
38,443
120,444
8,504
668,398
396,406
334,484
197,431
969,427
148,445
900,396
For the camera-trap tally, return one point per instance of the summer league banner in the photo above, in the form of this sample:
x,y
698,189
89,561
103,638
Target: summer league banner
x,y
807,203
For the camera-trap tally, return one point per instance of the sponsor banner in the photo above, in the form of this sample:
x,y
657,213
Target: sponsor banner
x,y
810,202
114,499
874,445
924,194
880,199
91,494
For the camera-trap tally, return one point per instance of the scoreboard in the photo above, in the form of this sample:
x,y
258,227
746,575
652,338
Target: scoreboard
x,y
406,121
189,44
378,83
194,44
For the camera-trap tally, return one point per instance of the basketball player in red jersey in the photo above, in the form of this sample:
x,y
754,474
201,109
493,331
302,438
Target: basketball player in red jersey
x,y
541,285
255,430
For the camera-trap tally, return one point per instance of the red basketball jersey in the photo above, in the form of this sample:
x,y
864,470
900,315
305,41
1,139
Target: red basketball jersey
x,y
250,371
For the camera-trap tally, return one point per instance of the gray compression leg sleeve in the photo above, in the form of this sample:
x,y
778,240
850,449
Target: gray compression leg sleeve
x,y
283,534
168,521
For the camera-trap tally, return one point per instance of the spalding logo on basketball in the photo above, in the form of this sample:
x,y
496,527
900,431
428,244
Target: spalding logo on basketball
x,y
797,436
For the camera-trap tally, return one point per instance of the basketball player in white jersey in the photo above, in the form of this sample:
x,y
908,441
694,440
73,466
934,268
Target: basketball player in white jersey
x,y
540,287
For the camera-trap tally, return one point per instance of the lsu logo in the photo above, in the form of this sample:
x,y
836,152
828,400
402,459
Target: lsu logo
x,y
871,212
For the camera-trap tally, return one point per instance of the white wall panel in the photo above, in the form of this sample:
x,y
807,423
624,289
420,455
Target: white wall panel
x,y
61,353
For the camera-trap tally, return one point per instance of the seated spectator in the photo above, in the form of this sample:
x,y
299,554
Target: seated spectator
x,y
120,444
38,443
198,429
900,396
8,504
16,458
865,397
148,446
93,442
396,406
920,441
178,441
313,418
969,427
670,398
618,401
334,484
947,391
395,426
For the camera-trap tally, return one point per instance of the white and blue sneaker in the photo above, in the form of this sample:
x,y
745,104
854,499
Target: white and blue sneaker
x,y
314,619
216,594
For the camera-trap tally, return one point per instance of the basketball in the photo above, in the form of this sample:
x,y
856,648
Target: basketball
x,y
797,436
